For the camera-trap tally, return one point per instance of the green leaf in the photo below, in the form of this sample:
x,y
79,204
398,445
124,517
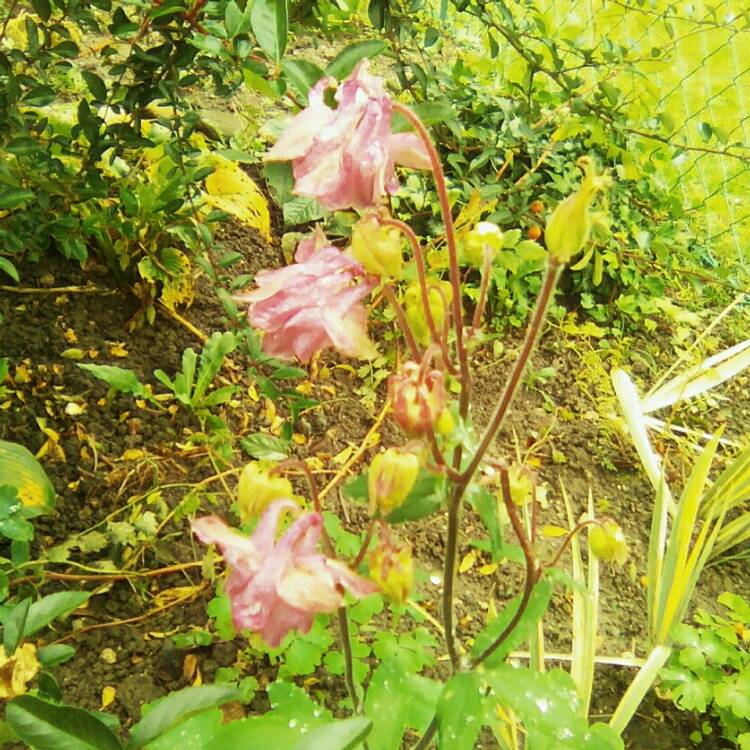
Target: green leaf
x,y
262,446
429,112
302,74
547,705
426,497
694,695
734,695
397,699
96,85
166,712
57,653
459,712
341,735
269,20
11,198
346,60
118,378
50,607
212,357
42,9
22,473
535,609
9,268
256,732
301,210
14,626
192,734
236,20
46,726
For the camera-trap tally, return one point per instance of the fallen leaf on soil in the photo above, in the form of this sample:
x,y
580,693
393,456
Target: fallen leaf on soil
x,y
108,695
468,561
117,349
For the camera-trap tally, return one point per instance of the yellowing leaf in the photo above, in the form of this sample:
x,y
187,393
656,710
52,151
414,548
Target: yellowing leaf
x,y
133,454
51,446
117,349
108,695
468,561
554,531
73,354
229,189
488,569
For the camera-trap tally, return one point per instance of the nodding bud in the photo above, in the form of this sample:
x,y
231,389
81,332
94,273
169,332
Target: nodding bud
x,y
521,482
484,235
258,488
440,295
608,543
378,248
392,569
569,227
390,479
418,399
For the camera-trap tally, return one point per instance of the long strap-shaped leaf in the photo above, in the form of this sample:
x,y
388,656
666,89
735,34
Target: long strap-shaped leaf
x,y
680,561
707,375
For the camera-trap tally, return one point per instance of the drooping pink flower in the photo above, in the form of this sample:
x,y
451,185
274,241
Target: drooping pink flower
x,y
312,304
278,586
345,157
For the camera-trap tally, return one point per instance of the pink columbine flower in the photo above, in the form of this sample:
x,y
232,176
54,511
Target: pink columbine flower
x,y
345,157
312,304
278,586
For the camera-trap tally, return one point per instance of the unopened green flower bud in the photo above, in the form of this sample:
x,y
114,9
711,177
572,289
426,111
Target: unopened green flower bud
x,y
521,484
484,235
391,478
378,248
440,295
392,569
569,227
258,488
608,543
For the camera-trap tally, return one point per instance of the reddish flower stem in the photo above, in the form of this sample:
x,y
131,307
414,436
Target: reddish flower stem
x,y
533,332
411,342
436,336
450,238
533,572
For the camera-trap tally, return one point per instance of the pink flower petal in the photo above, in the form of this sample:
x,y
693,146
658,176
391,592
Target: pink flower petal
x,y
408,150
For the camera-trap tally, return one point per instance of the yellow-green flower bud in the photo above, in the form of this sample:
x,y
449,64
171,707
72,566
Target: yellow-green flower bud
x,y
258,488
378,248
569,226
521,484
391,478
484,234
440,295
608,543
392,569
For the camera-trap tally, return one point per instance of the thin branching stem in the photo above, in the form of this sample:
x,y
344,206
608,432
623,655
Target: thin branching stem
x,y
436,336
403,322
533,332
533,571
450,238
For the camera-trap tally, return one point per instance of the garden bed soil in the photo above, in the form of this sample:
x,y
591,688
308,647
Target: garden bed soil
x,y
117,453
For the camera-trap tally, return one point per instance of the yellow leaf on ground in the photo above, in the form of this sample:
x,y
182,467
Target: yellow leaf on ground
x,y
488,569
117,349
108,695
468,561
229,189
